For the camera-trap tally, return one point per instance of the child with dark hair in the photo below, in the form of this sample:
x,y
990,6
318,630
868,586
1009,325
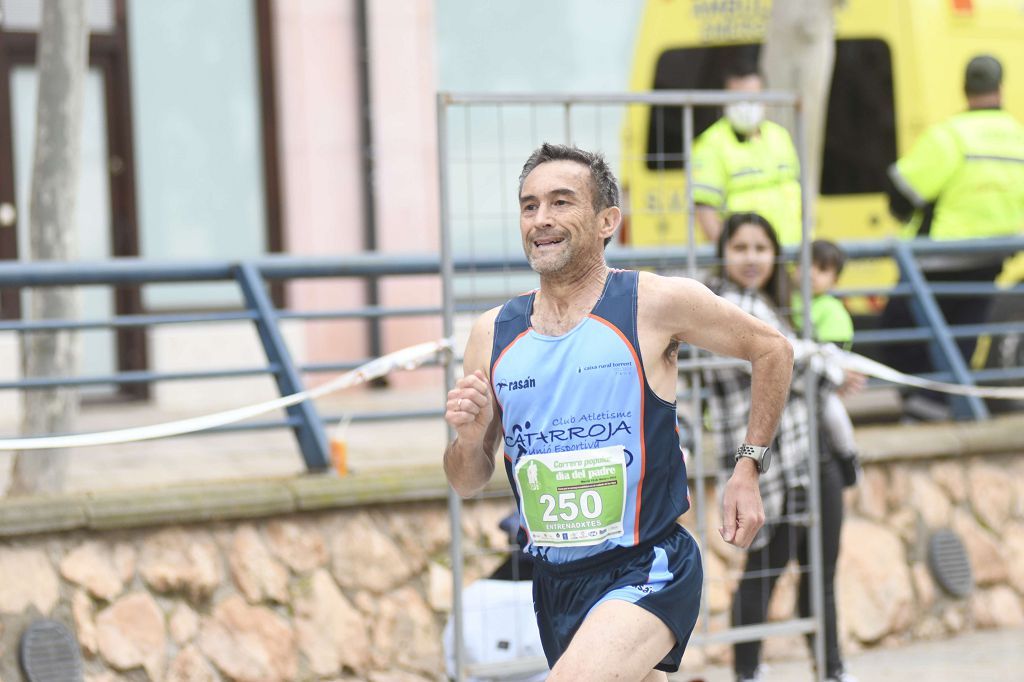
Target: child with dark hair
x,y
830,323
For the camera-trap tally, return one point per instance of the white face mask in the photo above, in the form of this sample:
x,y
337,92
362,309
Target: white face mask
x,y
745,116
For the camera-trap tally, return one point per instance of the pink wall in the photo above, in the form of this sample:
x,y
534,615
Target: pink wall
x,y
405,136
317,99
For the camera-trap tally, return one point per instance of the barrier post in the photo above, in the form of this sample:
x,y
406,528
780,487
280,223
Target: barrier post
x,y
944,351
310,431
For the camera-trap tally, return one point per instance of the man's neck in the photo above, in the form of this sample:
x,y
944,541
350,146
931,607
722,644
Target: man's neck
x,y
753,134
562,296
988,100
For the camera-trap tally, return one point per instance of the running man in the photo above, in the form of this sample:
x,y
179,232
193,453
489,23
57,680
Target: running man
x,y
576,382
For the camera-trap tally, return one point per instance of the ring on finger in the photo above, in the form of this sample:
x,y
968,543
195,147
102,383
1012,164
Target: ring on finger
x,y
458,405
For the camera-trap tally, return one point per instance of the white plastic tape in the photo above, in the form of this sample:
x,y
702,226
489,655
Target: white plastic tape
x,y
859,363
803,349
407,358
412,357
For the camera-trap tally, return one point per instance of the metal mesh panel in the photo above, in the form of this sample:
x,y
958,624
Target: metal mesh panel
x,y
483,143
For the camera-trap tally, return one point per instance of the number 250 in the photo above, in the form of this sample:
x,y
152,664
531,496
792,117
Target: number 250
x,y
568,510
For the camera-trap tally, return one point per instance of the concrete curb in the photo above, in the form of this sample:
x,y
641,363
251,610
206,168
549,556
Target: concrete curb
x,y
228,500
999,435
221,501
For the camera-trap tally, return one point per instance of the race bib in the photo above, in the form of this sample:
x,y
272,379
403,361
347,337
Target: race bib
x,y
573,499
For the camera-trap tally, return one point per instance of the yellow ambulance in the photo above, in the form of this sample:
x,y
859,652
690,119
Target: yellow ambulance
x,y
898,69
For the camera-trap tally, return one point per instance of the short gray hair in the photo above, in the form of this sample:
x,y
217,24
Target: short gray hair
x,y
604,187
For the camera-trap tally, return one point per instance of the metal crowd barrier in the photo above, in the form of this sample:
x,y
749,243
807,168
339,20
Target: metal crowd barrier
x,y
482,142
483,139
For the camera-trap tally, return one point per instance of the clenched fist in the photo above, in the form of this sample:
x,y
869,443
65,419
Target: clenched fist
x,y
469,409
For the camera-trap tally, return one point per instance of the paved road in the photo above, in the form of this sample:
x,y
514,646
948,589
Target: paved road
x,y
991,656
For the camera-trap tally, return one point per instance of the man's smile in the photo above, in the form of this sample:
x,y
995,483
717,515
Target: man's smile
x,y
547,241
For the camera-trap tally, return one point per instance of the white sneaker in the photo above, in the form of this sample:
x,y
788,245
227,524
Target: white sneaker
x,y
841,676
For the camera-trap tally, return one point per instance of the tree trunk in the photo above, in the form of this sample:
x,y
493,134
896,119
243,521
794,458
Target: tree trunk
x,y
61,62
798,55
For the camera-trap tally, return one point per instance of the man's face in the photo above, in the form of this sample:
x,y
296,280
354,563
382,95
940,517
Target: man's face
x,y
745,117
556,216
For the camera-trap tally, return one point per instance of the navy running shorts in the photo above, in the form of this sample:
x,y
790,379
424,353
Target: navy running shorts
x,y
665,577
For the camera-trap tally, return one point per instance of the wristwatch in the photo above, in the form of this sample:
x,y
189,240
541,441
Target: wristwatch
x,y
762,455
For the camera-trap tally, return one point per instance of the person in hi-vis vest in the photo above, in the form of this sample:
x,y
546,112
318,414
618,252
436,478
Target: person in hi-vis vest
x,y
962,179
743,162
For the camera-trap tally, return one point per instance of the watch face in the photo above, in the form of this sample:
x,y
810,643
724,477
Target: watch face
x,y
766,459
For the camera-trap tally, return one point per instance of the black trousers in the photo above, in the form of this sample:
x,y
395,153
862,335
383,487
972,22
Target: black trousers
x,y
750,603
913,358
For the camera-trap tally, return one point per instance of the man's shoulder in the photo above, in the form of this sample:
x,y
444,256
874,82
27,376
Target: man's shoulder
x,y
481,339
483,325
1013,120
653,283
491,314
658,292
773,127
944,132
515,306
716,133
983,119
775,133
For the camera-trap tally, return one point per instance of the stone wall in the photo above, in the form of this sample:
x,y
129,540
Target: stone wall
x,y
886,594
345,594
322,578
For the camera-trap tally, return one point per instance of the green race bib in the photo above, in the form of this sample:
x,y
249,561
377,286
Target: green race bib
x,y
573,499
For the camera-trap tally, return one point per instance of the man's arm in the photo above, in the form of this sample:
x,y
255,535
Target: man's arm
x,y
469,459
918,178
901,206
710,222
692,313
688,311
709,181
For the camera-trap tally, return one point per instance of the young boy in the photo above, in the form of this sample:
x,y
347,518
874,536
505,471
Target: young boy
x,y
831,323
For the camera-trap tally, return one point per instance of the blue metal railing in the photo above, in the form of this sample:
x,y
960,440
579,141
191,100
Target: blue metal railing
x,y
942,346
252,276
932,326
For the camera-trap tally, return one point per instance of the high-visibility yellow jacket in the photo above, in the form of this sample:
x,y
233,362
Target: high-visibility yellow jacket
x,y
972,167
759,174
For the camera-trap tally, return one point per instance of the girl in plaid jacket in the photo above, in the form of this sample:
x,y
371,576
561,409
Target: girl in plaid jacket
x,y
752,279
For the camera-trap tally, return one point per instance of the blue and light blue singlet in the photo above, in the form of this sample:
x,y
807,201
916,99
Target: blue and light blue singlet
x,y
581,393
